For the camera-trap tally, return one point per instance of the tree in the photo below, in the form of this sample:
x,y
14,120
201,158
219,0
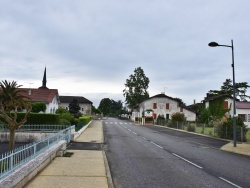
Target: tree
x,y
105,106
12,99
227,89
38,107
181,103
136,88
74,108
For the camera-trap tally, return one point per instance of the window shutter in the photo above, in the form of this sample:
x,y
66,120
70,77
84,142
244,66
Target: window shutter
x,y
154,106
167,105
225,105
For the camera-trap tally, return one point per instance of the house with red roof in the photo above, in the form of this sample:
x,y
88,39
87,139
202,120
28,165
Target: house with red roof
x,y
164,105
243,111
43,94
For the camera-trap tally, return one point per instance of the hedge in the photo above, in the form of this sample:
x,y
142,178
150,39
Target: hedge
x,y
41,119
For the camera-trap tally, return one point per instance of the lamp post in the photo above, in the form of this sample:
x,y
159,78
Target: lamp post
x,y
215,44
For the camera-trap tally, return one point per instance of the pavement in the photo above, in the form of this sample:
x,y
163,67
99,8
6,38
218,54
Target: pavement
x,y
84,168
88,166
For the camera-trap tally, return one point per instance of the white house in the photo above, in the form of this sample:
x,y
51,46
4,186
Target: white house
x,y
164,105
85,104
242,108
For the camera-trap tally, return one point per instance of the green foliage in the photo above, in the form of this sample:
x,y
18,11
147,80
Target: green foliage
x,y
74,108
136,88
105,106
224,128
160,120
180,117
215,110
61,111
180,101
35,118
64,122
38,107
191,127
82,121
227,89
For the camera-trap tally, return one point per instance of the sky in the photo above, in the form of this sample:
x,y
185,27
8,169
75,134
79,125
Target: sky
x,y
90,47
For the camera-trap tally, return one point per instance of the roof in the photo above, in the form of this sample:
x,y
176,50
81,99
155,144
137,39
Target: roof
x,y
243,105
40,95
162,96
69,99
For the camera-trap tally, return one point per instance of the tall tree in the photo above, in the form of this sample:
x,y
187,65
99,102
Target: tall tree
x,y
74,108
12,99
227,89
136,88
105,106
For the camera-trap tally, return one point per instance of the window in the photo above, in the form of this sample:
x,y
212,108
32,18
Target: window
x,y
225,105
82,109
154,106
248,117
167,105
242,116
181,109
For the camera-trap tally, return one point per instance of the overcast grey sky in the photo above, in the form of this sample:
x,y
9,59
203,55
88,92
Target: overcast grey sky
x,y
90,47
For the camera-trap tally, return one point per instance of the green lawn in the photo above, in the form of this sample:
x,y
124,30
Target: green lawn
x,y
207,131
210,131
248,135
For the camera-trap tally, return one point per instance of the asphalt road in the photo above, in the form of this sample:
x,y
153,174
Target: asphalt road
x,y
145,157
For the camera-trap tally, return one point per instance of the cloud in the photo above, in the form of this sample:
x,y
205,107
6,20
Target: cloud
x,y
93,46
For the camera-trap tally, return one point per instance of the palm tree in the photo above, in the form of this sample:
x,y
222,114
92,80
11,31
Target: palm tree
x,y
12,99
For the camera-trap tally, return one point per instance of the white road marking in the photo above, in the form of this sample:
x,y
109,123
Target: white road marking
x,y
135,133
143,137
187,160
156,144
229,182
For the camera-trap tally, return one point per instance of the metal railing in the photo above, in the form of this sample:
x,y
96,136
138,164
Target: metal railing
x,y
37,127
10,161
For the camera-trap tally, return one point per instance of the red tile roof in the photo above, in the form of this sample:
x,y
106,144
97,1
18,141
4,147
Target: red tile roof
x,y
243,105
40,95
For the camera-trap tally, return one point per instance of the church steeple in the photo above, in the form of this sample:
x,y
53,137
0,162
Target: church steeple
x,y
44,80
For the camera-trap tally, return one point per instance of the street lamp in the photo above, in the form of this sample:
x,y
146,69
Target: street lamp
x,y
215,44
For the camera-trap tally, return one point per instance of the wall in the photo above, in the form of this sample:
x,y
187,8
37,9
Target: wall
x,y
24,136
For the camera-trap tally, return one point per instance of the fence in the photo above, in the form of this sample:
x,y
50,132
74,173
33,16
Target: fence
x,y
37,127
10,161
202,128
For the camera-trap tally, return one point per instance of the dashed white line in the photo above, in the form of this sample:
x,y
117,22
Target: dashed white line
x,y
143,137
187,160
135,133
156,144
229,182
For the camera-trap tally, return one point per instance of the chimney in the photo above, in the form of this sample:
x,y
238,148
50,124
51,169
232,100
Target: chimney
x,y
194,101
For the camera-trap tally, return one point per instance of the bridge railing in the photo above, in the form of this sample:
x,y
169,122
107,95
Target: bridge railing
x,y
10,161
37,127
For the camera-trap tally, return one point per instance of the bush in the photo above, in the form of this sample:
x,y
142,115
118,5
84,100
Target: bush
x,y
42,119
38,107
191,127
64,122
178,117
82,121
224,128
160,120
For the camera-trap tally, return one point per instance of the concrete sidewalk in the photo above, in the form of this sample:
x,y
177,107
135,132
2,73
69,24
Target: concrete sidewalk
x,y
241,148
85,168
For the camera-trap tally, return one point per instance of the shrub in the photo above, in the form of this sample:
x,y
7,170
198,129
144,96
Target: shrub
x,y
42,119
160,120
82,121
64,122
224,128
38,107
191,127
178,117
